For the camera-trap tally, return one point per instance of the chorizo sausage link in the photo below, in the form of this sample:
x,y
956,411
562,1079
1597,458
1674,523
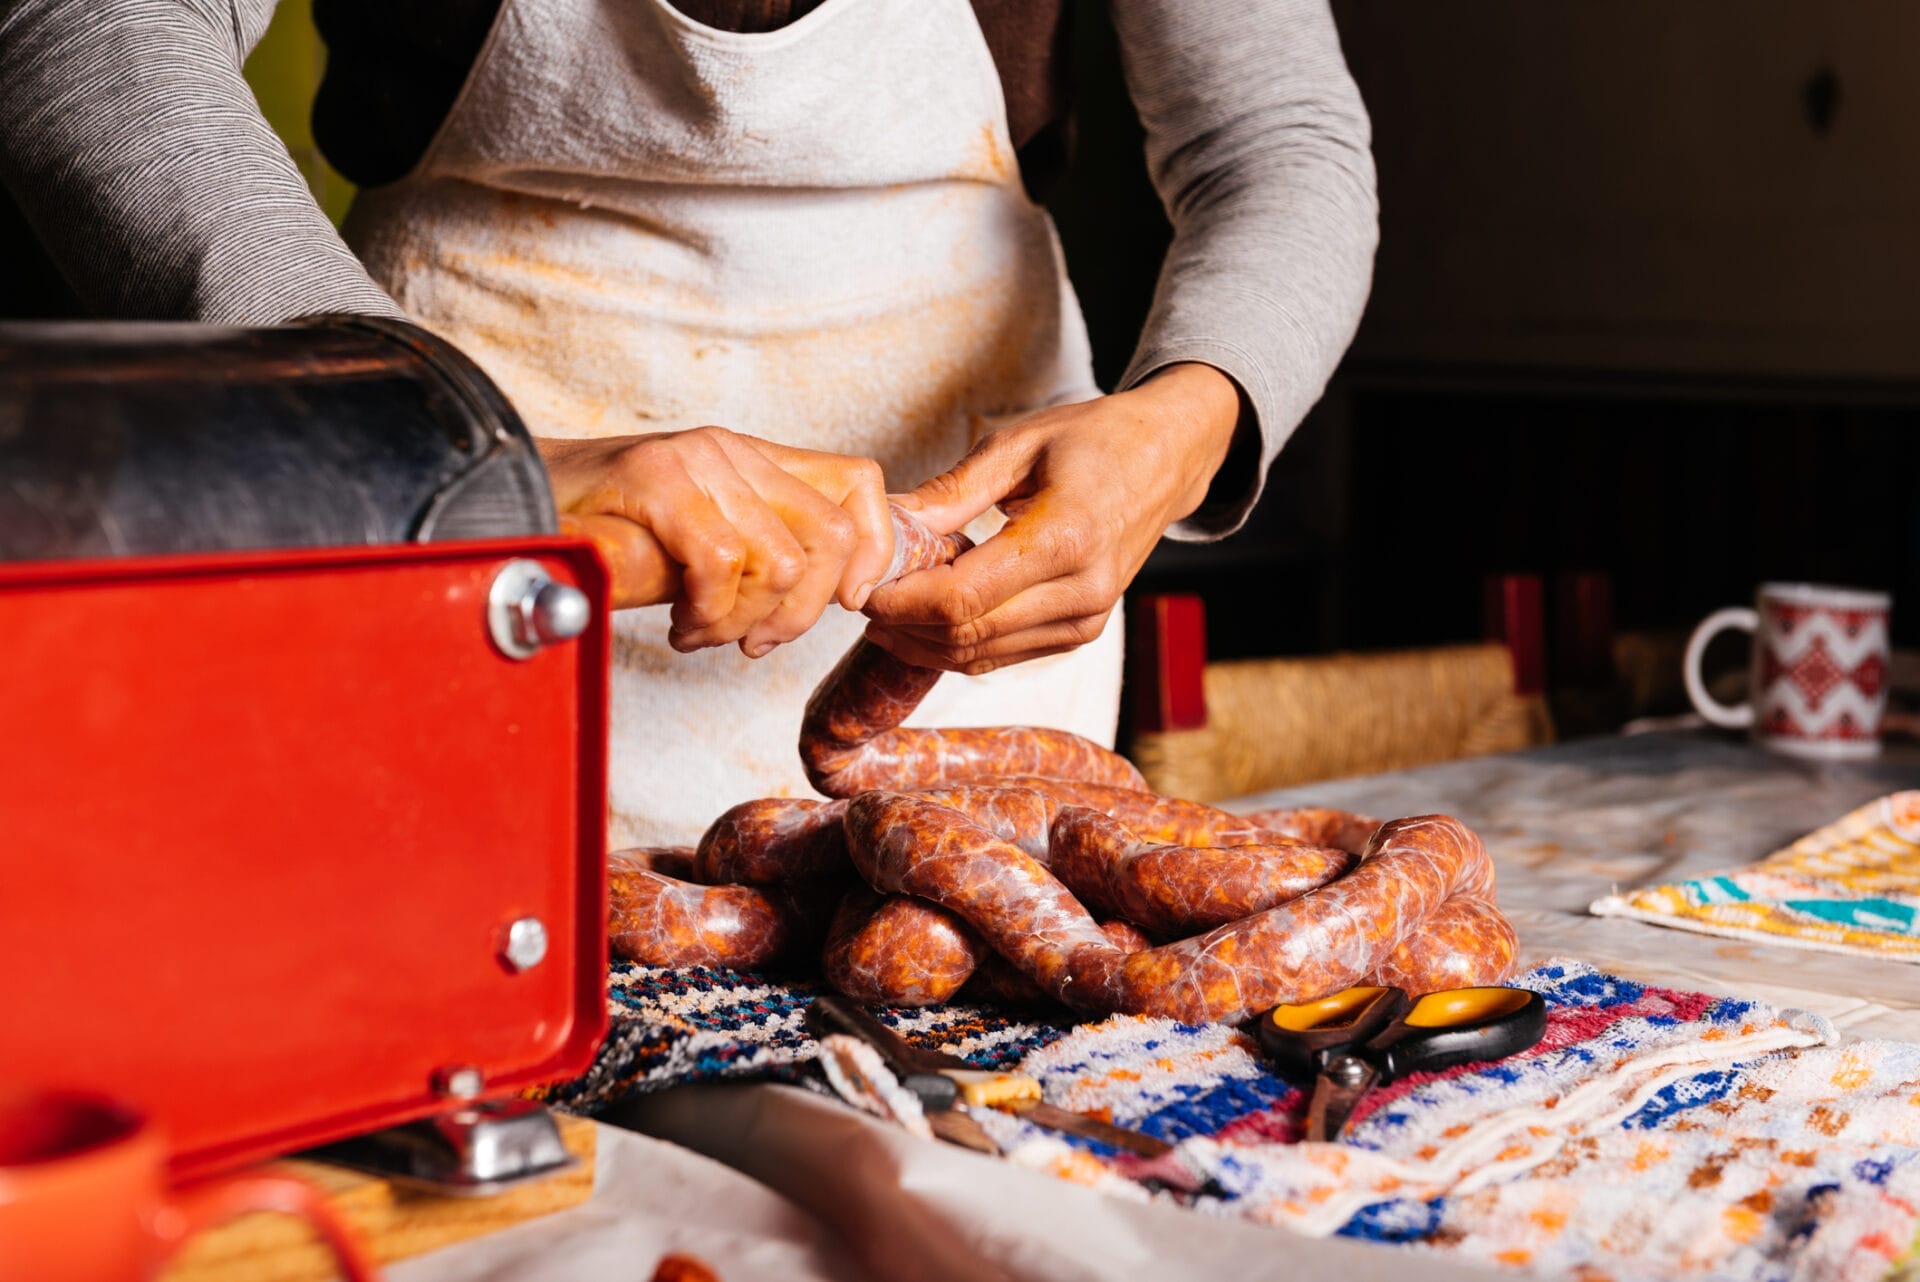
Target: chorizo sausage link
x,y
893,950
997,979
1023,816
1314,945
778,839
1307,948
1466,944
658,919
1164,888
851,739
916,547
1317,825
1173,890
1151,817
960,827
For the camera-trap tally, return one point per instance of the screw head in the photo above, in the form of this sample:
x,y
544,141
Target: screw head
x,y
1347,1071
526,944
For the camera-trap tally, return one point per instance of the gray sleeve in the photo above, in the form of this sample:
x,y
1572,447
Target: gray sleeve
x,y
1259,147
138,153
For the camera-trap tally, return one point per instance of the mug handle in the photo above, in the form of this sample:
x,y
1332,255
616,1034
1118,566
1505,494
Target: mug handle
x,y
210,1203
1737,717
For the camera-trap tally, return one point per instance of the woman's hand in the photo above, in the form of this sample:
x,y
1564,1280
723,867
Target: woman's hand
x,y
1088,490
748,539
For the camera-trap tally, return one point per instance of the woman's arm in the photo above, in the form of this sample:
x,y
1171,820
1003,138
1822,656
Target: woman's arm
x,y
137,152
1258,145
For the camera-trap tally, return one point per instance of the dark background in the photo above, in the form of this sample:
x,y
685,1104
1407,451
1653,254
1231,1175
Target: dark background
x,y
1647,303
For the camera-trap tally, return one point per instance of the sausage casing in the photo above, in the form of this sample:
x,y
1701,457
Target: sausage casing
x,y
891,950
657,919
851,739
1311,946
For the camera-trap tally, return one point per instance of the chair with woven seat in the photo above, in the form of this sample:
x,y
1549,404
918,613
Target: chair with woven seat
x,y
1210,731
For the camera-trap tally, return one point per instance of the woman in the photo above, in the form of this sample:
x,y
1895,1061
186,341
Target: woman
x,y
803,220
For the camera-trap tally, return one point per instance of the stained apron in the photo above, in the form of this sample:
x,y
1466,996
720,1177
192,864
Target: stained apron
x,y
636,223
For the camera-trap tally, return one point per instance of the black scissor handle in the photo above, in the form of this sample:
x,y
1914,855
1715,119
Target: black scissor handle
x,y
1302,1038
1459,1026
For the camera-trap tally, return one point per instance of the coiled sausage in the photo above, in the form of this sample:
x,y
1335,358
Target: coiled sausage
x,y
1311,946
986,853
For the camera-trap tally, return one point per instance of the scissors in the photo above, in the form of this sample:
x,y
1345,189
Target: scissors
x,y
1365,1037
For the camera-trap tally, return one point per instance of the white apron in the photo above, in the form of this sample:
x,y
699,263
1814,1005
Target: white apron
x,y
817,235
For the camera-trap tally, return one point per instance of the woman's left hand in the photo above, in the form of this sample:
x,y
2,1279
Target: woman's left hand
x,y
1088,489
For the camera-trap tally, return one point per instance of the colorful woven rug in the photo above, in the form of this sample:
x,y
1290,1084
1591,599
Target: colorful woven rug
x,y
1852,887
1653,1133
673,1027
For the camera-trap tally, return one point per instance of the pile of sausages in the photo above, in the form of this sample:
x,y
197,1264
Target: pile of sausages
x,y
1034,863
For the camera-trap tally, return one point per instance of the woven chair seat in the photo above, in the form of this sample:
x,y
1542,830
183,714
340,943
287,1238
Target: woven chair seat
x,y
1273,723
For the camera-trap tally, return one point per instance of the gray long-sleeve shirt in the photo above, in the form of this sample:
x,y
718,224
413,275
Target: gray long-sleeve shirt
x,y
136,149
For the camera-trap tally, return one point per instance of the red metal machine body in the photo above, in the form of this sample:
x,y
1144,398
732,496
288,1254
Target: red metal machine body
x,y
265,821
302,734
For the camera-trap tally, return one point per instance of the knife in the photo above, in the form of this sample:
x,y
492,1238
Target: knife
x,y
940,1081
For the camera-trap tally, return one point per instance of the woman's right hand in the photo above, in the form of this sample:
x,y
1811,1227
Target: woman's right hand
x,y
748,539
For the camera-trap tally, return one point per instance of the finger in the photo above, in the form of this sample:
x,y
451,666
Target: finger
x,y
698,536
995,468
825,536
800,610
772,563
1068,596
639,569
859,487
1057,637
1031,549
866,505
1062,620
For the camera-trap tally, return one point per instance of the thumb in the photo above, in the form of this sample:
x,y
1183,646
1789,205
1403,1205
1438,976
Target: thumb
x,y
991,471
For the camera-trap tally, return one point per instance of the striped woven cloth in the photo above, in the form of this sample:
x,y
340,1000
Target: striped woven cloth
x,y
1851,887
1652,1134
673,1027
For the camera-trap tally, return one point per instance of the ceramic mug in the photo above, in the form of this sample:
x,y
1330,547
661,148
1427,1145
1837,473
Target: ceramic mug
x,y
1819,670
84,1195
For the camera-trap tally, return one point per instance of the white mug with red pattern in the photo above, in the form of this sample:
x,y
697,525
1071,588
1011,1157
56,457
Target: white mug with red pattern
x,y
1819,670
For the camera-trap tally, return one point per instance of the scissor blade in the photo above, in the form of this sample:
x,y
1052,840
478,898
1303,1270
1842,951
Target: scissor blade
x,y
1335,1092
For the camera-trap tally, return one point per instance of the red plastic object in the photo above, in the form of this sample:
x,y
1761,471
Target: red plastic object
x,y
1583,628
1514,616
1168,662
264,821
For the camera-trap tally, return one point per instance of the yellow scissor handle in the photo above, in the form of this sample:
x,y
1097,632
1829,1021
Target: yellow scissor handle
x,y
1344,1007
1464,1006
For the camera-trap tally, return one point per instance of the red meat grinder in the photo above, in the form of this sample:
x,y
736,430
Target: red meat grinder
x,y
302,746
